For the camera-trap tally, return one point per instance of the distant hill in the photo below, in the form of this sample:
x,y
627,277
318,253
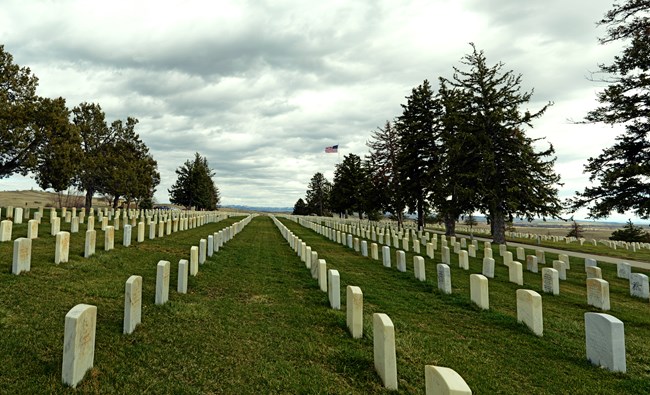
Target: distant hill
x,y
260,209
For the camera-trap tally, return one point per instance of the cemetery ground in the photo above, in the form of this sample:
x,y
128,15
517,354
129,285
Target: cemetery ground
x,y
254,321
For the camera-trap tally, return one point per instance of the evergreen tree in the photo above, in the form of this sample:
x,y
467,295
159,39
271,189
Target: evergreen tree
x,y
512,179
631,233
623,170
349,185
576,231
194,186
418,129
300,208
384,172
318,194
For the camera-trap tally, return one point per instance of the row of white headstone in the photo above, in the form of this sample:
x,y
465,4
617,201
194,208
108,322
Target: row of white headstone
x,y
529,302
80,322
438,380
23,245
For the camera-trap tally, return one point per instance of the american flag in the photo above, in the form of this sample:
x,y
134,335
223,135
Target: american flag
x,y
332,150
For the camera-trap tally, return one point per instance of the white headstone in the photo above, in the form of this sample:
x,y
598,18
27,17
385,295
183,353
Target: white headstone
x,y
521,253
479,291
385,254
541,256
314,265
78,343
203,250
364,248
605,338
463,260
639,285
560,266
354,311
132,303
598,293
488,267
507,258
444,381
400,257
593,272
531,263
550,281
623,270
109,238
529,310
126,236
322,274
18,215
334,289
590,262
374,254
55,225
61,247
444,278
564,258
446,258
22,258
183,268
162,282
194,260
5,230
384,349
515,273
419,268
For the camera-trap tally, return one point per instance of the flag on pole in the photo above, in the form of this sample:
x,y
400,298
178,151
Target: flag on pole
x,y
332,150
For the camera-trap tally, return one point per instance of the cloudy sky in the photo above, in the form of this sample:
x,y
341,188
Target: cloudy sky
x,y
262,87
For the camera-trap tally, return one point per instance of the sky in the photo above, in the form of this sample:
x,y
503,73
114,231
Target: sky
x,y
260,88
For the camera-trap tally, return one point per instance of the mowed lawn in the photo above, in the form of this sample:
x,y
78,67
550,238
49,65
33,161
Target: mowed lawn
x,y
254,321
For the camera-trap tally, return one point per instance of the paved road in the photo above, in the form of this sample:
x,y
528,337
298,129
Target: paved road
x,y
600,258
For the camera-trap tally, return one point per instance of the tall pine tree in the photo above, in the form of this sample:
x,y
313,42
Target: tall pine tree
x,y
622,171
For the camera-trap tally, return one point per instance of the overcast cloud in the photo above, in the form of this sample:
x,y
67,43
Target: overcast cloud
x,y
262,87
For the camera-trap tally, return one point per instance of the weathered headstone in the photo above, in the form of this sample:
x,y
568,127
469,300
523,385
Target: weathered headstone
x,y
487,253
463,260
132,303
531,263
78,343
564,258
593,272
541,256
623,270
183,268
444,278
550,281
384,349
418,268
605,341
515,273
334,289
18,215
314,265
322,274
529,310
479,291
22,258
55,225
507,258
364,248
598,293
385,255
109,238
194,260
560,266
74,225
203,250
590,262
91,241
521,253
639,285
444,381
152,230
162,282
446,257
400,257
354,311
61,247
471,250
488,267
374,253
126,236
32,229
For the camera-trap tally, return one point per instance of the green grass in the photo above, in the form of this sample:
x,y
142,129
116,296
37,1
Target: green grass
x,y
490,349
254,321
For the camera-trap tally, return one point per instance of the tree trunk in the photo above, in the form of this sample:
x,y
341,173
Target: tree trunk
x,y
116,201
450,225
400,220
89,199
498,225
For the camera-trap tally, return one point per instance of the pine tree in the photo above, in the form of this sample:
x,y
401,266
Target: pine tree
x,y
347,195
300,208
418,129
623,170
512,179
194,186
384,172
576,231
631,233
318,194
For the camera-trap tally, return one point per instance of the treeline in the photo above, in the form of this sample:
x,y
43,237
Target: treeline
x,y
455,151
64,148
463,149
